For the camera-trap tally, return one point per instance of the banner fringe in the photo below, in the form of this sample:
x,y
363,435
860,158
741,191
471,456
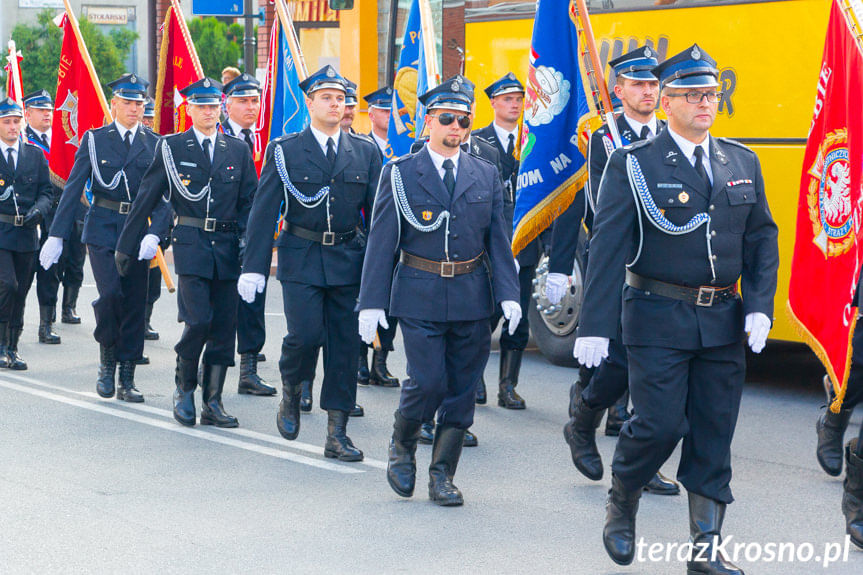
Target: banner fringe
x,y
162,66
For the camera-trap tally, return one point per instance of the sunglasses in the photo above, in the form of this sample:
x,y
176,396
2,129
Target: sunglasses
x,y
447,118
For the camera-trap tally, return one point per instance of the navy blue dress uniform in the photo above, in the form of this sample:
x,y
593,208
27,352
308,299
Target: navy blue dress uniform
x,y
25,197
676,238
320,256
511,346
439,259
111,161
382,98
251,325
154,280
209,182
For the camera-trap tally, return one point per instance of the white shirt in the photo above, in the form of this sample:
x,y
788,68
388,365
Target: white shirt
x,y
40,134
688,149
636,126
322,139
503,136
201,137
122,131
14,147
238,129
438,161
381,142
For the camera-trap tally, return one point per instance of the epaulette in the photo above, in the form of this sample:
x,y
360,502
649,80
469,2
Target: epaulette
x,y
287,137
735,143
362,137
636,145
478,157
233,136
602,130
29,143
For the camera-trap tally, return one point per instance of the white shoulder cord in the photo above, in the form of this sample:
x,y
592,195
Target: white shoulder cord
x,y
174,181
288,186
97,174
644,201
10,191
404,208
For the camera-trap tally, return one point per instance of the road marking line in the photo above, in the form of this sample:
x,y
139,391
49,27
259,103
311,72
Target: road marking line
x,y
172,427
298,445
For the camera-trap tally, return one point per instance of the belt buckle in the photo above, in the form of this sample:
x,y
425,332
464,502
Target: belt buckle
x,y
329,239
125,207
209,224
19,221
447,269
705,296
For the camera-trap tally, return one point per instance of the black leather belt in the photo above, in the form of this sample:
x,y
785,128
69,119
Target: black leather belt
x,y
207,224
443,269
323,238
119,207
16,221
704,296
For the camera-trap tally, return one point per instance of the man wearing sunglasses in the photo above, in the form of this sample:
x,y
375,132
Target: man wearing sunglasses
x,y
681,219
440,261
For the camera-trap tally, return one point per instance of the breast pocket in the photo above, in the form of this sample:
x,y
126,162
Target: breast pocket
x,y
356,182
740,201
305,176
676,204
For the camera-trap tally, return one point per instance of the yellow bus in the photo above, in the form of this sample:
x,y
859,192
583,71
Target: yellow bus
x,y
769,55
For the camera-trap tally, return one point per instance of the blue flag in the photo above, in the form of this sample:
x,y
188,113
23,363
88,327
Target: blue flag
x,y
556,107
289,113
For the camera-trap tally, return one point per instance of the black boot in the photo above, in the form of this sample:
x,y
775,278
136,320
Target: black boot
x,y
261,357
446,452
46,319
705,526
288,417
481,393
363,373
4,343
426,433
339,445
357,411
510,365
250,382
107,371
70,301
143,360
150,334
618,535
470,439
617,415
306,399
402,464
380,375
852,498
662,485
186,380
13,360
126,390
212,410
830,428
580,434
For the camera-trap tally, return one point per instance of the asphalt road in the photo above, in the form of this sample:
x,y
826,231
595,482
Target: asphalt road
x,y
97,486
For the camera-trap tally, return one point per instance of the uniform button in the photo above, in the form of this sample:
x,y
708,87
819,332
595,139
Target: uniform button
x,y
455,217
670,200
455,236
306,178
212,243
455,256
713,234
333,181
714,257
712,207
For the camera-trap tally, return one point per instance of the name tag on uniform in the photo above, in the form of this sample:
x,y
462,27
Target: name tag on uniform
x,y
189,164
669,185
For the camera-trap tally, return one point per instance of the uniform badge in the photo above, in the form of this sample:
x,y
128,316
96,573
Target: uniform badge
x,y
186,181
696,53
2,182
829,197
683,197
647,52
230,168
206,83
134,79
427,215
331,73
455,86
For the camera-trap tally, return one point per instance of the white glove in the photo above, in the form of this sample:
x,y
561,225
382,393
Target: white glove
x,y
517,265
590,351
512,313
555,286
51,251
148,248
249,285
757,325
369,321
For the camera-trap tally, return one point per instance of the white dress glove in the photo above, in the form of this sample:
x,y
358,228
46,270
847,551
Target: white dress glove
x,y
369,321
757,325
555,286
512,313
590,351
51,251
148,248
249,285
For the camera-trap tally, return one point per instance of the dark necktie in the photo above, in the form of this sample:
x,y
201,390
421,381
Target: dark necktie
x,y
449,176
247,136
127,141
206,146
331,151
645,132
699,167
510,147
10,159
45,140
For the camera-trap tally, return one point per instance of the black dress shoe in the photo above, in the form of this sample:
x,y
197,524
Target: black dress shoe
x,y
510,366
580,434
250,382
46,325
185,380
426,433
363,373
446,453
470,440
618,535
212,410
261,357
13,360
288,417
830,428
852,497
126,390
705,526
357,411
105,386
380,375
402,464
143,360
4,344
617,416
339,445
481,393
306,396
662,485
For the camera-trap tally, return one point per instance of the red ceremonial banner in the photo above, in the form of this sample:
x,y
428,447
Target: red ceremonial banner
x,y
14,82
827,251
179,66
80,104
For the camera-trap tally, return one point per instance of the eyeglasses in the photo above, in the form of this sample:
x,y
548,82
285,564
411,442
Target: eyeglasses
x,y
696,97
447,118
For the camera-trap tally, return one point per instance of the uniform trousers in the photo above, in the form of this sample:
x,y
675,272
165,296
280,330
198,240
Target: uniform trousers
x,y
445,363
119,309
16,277
208,308
608,382
316,315
518,340
47,281
688,394
154,284
251,327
